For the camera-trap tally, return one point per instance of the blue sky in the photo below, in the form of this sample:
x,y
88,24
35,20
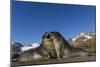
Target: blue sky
x,y
31,19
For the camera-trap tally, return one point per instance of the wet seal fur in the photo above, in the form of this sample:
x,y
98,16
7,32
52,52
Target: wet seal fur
x,y
64,49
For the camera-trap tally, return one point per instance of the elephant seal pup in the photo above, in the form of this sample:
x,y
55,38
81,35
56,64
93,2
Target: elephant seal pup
x,y
37,54
63,48
48,43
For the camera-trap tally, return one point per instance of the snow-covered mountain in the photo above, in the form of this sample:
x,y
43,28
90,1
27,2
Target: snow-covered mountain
x,y
32,46
84,36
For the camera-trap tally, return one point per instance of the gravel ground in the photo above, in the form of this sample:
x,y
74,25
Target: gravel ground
x,y
55,61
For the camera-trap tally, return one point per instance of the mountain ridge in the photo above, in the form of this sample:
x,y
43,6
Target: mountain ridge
x,y
83,36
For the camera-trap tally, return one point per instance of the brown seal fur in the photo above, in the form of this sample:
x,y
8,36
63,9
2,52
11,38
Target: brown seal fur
x,y
45,51
48,43
63,48
37,54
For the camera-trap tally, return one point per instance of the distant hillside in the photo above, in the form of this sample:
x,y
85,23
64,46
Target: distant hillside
x,y
85,40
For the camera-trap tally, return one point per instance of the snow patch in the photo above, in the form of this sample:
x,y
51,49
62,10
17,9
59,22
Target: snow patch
x,y
88,37
83,34
34,45
75,38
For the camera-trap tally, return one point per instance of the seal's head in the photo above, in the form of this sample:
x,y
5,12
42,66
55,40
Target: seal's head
x,y
46,35
55,36
59,39
47,41
46,38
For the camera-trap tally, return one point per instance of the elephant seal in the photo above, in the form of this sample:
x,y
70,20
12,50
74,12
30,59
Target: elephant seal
x,y
37,54
45,51
48,43
63,48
